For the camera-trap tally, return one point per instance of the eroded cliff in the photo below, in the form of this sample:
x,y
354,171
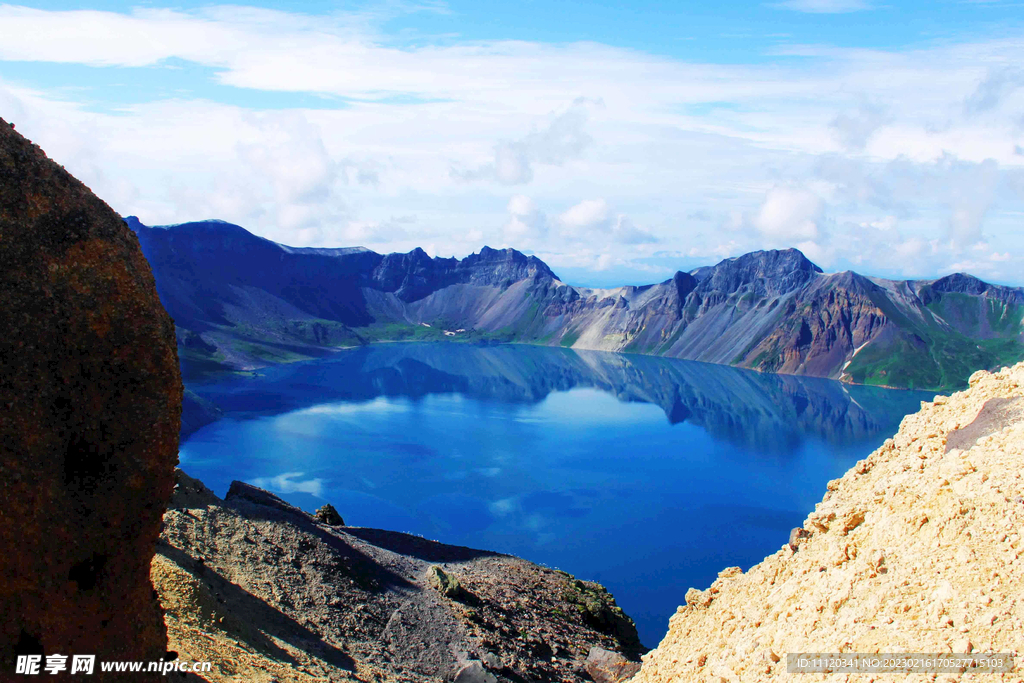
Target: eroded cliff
x,y
915,549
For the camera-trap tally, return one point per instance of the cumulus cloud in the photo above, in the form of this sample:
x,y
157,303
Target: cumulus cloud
x,y
578,221
374,232
625,232
289,150
561,140
526,223
789,214
593,219
860,182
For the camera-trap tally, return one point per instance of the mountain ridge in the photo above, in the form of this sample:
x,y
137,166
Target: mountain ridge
x,y
241,301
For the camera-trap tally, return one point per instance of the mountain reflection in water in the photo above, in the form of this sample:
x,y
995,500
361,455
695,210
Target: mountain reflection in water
x,y
647,474
770,413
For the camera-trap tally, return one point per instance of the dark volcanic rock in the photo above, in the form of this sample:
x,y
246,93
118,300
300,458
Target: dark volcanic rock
x,y
962,283
414,275
762,273
262,590
90,401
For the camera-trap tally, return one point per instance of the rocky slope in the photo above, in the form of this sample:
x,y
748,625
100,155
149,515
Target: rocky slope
x,y
90,404
916,549
241,301
268,592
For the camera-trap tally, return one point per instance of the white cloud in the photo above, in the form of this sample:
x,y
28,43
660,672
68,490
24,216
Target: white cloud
x,y
582,217
593,219
374,232
789,214
526,223
971,198
561,140
807,151
885,223
822,255
624,232
854,129
824,6
997,86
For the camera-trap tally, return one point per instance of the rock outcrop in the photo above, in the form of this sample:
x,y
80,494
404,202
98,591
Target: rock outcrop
x,y
267,592
90,404
916,549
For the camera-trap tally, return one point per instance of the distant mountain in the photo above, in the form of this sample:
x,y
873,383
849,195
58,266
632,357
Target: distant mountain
x,y
241,301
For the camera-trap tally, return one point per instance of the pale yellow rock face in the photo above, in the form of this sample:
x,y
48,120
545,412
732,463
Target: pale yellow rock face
x,y
915,549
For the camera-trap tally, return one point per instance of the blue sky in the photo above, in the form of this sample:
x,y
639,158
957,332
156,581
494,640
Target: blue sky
x,y
619,143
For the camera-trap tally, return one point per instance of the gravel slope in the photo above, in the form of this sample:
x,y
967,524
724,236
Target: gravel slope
x,y
266,592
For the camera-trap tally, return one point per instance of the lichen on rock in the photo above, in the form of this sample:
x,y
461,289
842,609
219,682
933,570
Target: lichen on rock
x,y
447,584
329,516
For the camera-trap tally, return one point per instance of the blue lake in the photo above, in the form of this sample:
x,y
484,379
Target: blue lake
x,y
648,475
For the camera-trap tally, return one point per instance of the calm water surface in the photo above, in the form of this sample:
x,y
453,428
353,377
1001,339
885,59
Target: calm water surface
x,y
649,475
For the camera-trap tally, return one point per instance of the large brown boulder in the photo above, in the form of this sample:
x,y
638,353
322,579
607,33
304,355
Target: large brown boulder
x,y
90,406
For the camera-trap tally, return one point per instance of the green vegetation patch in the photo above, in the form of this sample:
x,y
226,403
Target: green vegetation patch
x,y
322,332
977,316
268,353
635,344
962,311
380,332
927,355
199,363
667,345
769,360
570,338
940,361
399,332
1004,319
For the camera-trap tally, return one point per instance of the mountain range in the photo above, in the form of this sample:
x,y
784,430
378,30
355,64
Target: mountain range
x,y
241,302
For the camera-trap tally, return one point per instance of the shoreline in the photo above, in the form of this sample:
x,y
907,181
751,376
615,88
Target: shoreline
x,y
333,349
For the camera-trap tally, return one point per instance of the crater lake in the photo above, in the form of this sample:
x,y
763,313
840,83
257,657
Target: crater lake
x,y
648,475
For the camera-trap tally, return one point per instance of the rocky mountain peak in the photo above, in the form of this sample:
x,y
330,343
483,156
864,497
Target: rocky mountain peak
x,y
513,264
685,283
762,273
960,283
